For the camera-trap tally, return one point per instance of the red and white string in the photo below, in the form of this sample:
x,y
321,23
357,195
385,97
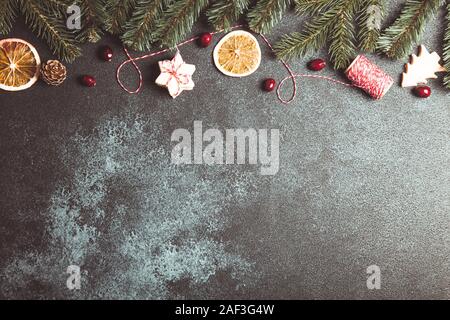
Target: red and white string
x,y
362,74
292,76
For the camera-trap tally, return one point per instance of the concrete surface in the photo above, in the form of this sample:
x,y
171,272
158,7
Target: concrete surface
x,y
86,180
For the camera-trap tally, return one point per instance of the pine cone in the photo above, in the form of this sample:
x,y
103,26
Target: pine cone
x,y
53,72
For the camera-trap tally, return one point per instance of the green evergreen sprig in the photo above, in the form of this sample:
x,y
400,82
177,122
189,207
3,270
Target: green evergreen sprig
x,y
369,20
312,38
342,47
49,24
266,14
118,13
138,33
311,7
398,40
93,14
57,5
7,15
331,21
177,20
224,13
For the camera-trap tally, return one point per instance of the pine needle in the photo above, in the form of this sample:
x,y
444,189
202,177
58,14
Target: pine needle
x,y
7,15
224,13
139,29
50,25
119,11
369,20
266,14
342,48
177,20
93,14
311,7
398,40
333,23
296,44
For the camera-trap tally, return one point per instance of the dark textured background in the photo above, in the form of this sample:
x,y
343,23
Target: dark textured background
x,y
86,179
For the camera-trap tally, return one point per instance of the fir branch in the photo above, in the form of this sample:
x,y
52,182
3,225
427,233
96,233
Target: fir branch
x,y
56,8
446,56
93,14
7,15
342,48
335,24
119,11
266,14
224,13
41,18
138,30
177,20
369,20
312,38
397,40
311,7
59,5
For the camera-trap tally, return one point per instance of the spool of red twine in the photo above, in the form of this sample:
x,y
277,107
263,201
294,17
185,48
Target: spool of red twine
x,y
369,77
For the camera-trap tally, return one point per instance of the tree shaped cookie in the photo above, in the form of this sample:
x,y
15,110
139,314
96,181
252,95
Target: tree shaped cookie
x,y
422,67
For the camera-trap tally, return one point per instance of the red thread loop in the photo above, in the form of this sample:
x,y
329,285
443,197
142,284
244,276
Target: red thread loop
x,y
130,59
136,67
291,75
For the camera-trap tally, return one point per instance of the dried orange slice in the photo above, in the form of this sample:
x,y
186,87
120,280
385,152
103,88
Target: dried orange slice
x,y
19,65
237,54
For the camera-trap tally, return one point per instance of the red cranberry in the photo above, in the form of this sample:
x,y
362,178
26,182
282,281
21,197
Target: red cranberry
x,y
107,53
317,64
205,39
422,91
269,84
89,81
